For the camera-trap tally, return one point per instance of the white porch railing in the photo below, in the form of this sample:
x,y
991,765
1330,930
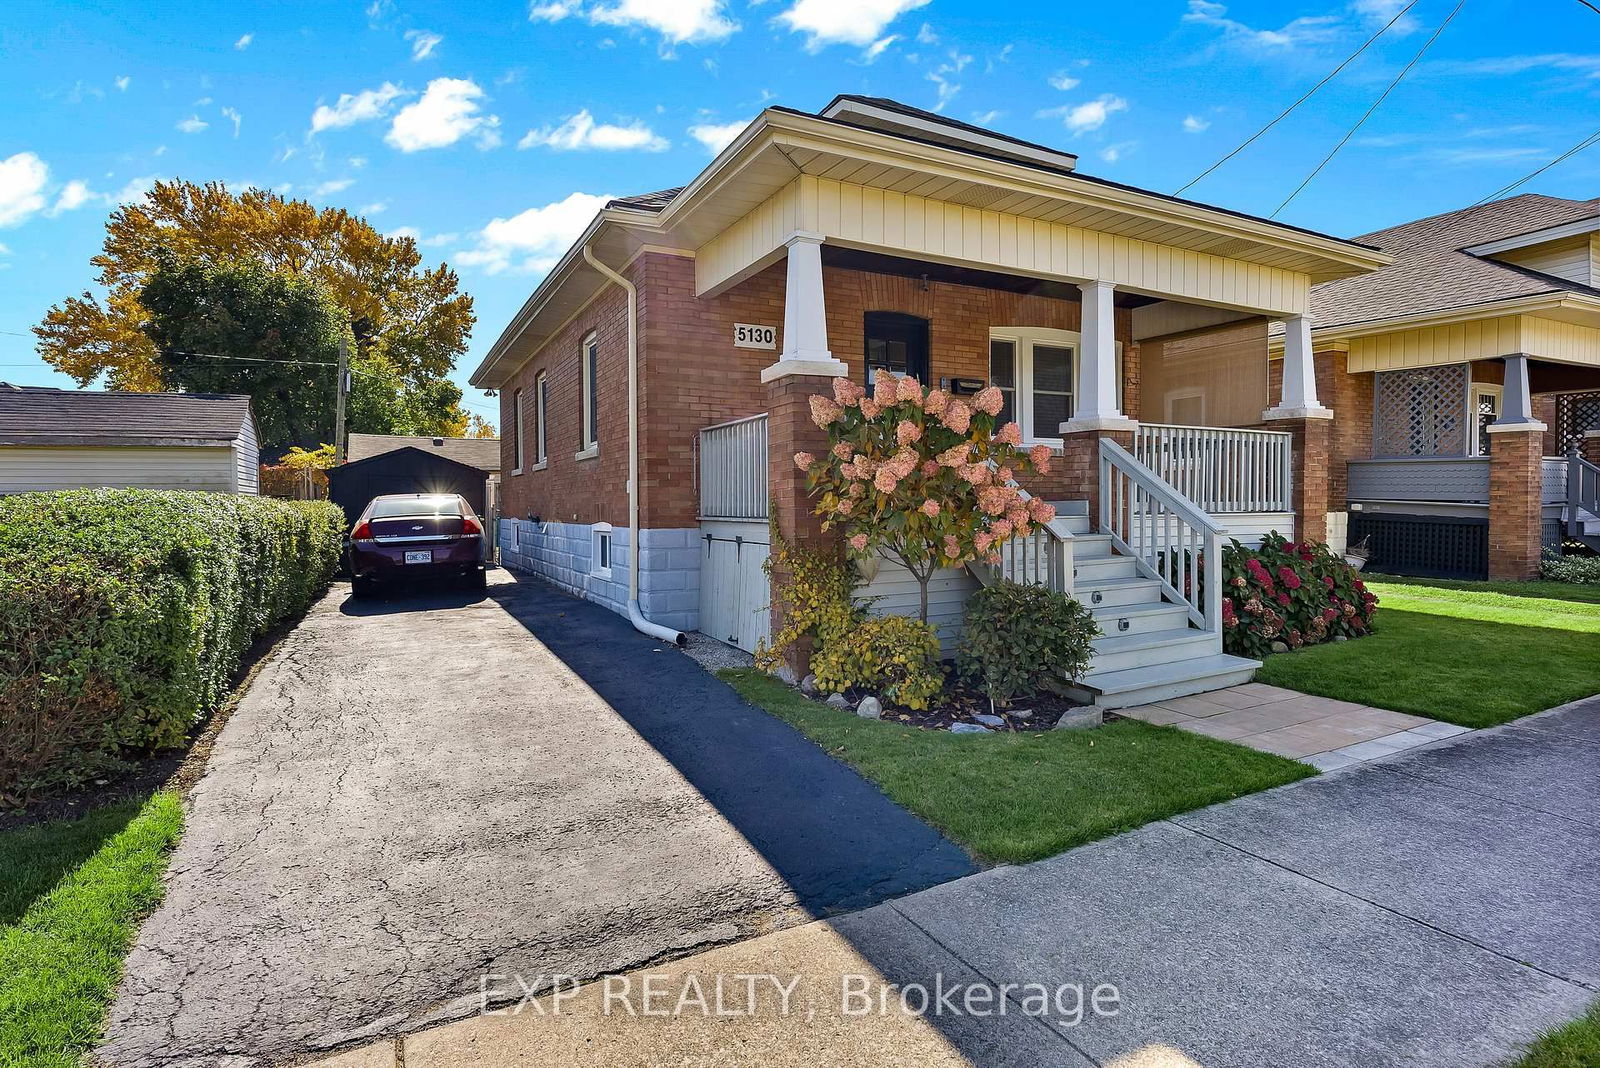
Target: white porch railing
x,y
1220,469
1043,558
1165,532
733,469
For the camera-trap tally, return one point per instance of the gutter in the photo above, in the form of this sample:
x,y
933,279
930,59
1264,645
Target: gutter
x,y
635,616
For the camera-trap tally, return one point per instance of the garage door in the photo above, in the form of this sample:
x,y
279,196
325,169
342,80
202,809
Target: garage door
x,y
734,598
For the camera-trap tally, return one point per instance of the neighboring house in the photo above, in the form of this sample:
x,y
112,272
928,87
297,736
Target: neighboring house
x,y
1483,335
377,464
62,439
877,236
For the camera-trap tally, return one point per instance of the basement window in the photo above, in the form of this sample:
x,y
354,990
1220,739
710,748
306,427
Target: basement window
x,y
601,555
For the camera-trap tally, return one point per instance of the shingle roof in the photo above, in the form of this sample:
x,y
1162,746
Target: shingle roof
x,y
1431,273
646,201
482,453
32,415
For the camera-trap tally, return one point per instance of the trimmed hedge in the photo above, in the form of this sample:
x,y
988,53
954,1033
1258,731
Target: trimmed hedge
x,y
125,613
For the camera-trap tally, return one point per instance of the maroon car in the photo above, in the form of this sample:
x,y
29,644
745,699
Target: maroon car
x,y
406,536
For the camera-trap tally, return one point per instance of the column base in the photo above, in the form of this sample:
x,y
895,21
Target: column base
x,y
1313,411
1532,426
1079,424
818,364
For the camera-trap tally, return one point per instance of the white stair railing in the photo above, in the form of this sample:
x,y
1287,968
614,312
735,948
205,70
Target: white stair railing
x,y
1583,492
1220,469
1167,535
1043,557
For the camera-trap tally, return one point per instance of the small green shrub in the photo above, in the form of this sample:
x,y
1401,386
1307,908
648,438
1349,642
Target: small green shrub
x,y
1579,570
893,656
124,614
1014,636
1298,593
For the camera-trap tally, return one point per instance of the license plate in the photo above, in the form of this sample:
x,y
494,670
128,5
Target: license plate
x,y
419,556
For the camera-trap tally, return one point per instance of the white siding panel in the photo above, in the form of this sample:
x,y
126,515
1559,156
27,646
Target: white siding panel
x,y
24,470
893,592
247,460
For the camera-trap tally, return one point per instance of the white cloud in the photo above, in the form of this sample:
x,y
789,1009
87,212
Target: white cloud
x,y
1586,65
1064,81
944,76
1376,13
244,42
122,83
926,35
447,112
1113,153
534,240
22,181
875,49
717,136
1093,115
233,116
423,43
337,185
406,231
375,208
133,190
352,108
1304,30
987,117
193,124
74,195
1195,124
856,22
582,132
678,21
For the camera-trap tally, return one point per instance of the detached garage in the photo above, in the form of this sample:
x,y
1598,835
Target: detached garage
x,y
407,469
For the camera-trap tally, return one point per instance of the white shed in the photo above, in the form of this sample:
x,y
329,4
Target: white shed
x,y
53,439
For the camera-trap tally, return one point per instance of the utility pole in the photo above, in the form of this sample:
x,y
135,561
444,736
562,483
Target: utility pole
x,y
338,404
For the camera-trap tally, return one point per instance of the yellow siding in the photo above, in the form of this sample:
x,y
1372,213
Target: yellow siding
x,y
1568,259
1567,342
1430,345
925,228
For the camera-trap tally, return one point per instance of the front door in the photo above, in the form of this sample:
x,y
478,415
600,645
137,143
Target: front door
x,y
896,342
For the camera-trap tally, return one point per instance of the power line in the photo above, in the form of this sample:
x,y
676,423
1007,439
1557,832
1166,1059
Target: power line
x,y
1590,5
1309,93
1592,139
1375,105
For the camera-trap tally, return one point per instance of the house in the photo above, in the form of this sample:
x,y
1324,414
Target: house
x,y
386,463
53,439
1479,344
654,386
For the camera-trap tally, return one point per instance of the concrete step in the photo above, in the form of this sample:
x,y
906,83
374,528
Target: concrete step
x,y
1100,568
1119,652
1106,592
1139,619
1163,682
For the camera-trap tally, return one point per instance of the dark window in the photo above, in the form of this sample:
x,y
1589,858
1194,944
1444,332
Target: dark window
x,y
896,342
1052,389
1003,376
591,393
516,430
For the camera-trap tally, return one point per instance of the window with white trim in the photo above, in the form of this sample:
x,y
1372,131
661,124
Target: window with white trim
x,y
540,392
516,432
600,558
591,404
1036,370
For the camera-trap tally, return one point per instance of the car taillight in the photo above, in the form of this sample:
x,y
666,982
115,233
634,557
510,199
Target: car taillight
x,y
363,532
470,525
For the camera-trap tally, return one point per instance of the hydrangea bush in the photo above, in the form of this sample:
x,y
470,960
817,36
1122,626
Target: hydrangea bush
x,y
921,477
1298,593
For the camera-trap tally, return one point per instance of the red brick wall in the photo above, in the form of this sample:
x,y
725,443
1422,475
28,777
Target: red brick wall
x,y
1349,437
1514,507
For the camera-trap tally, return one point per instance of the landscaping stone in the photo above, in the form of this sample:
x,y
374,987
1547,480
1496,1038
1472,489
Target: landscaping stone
x,y
1021,713
1078,719
870,708
808,685
968,728
786,675
1280,647
838,700
990,721
1341,638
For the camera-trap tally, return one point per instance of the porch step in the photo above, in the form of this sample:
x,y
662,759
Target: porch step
x,y
1073,508
1087,572
1139,618
1121,592
1091,546
1162,682
1143,649
1070,524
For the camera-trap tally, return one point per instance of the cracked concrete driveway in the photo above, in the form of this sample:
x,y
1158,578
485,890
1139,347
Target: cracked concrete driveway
x,y
418,793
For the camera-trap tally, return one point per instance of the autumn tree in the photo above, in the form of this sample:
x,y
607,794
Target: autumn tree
x,y
921,477
411,317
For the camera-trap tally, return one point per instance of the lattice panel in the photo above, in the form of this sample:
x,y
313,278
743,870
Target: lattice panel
x,y
1421,412
1576,413
1428,546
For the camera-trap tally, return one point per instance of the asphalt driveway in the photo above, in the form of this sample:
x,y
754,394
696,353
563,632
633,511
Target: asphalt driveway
x,y
417,794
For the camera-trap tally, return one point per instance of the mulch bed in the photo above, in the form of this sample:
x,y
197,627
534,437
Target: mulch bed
x,y
959,703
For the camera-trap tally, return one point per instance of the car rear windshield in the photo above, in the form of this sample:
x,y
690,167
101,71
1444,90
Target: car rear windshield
x,y
391,507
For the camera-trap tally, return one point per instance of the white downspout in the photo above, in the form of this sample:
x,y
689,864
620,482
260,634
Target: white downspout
x,y
636,617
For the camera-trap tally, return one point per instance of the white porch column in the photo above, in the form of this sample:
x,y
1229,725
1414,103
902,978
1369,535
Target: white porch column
x,y
805,315
1096,402
1516,399
1299,397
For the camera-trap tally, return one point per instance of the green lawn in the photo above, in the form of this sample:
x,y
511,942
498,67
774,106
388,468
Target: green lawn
x,y
1473,653
1019,797
1576,1045
71,896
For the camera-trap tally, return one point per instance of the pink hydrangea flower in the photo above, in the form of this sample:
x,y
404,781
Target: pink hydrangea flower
x,y
909,389
847,393
954,456
952,547
842,450
1040,455
992,500
983,541
1010,434
989,401
845,506
884,390
935,401
930,508
1000,528
885,480
858,542
858,490
1005,474
930,468
824,411
1041,511
907,431
976,474
869,407
804,460
957,416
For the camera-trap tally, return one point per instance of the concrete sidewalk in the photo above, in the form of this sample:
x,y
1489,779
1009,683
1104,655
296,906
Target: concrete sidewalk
x,y
1435,908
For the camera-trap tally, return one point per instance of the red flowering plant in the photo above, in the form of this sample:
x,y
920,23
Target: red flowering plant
x,y
920,476
1298,593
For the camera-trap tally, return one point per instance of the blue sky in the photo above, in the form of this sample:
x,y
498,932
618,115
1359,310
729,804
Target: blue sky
x,y
491,130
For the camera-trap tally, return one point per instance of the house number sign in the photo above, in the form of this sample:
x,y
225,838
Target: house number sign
x,y
750,336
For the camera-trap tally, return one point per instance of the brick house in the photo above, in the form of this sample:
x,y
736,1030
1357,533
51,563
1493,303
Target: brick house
x,y
1462,377
1129,330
